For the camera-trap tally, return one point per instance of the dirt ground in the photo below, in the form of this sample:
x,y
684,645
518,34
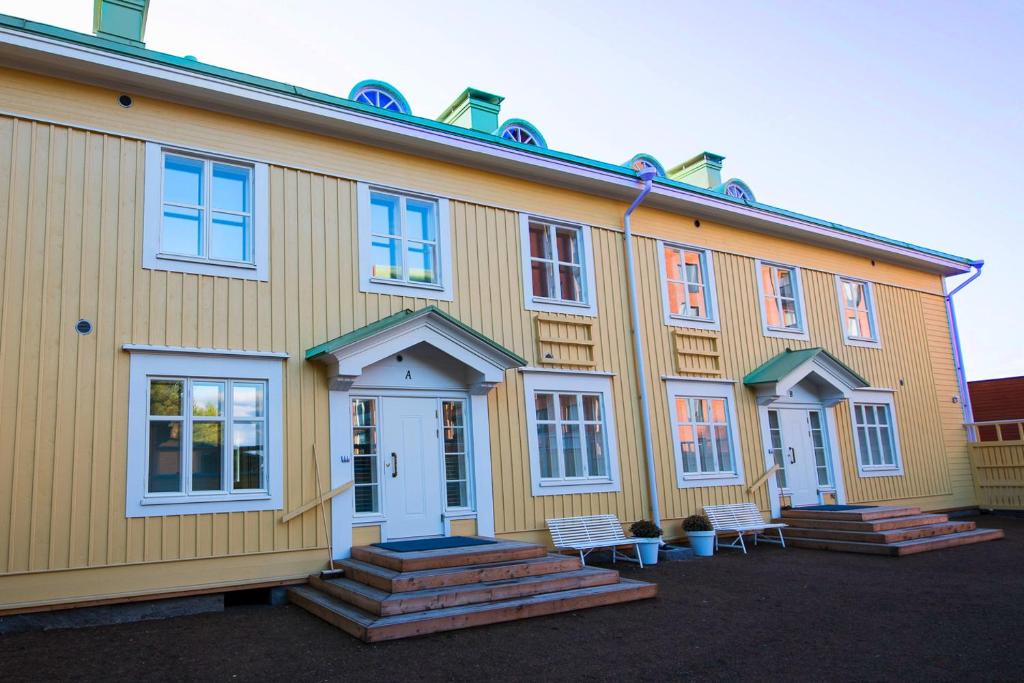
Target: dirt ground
x,y
774,614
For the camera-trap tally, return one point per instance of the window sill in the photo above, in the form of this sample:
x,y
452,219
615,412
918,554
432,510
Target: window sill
x,y
565,488
786,333
863,343
888,471
204,261
696,481
558,306
207,498
404,283
367,519
692,323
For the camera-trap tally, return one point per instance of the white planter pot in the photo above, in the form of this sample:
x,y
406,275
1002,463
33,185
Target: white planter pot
x,y
702,542
648,549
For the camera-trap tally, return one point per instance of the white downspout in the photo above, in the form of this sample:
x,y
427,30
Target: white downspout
x,y
647,175
958,358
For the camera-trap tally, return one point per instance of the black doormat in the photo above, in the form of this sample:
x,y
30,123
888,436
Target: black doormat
x,y
832,508
432,543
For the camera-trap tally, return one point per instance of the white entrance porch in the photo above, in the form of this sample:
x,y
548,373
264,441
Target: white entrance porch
x,y
409,425
795,393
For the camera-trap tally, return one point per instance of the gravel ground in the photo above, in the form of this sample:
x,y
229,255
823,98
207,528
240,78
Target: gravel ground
x,y
771,615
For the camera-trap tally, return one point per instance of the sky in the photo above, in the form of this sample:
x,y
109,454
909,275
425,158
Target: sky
x,y
903,118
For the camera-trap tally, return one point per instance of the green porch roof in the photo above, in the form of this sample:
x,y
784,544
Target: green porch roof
x,y
789,360
195,66
400,317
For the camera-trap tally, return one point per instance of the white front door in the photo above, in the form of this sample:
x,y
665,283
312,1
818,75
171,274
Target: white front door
x,y
411,451
804,454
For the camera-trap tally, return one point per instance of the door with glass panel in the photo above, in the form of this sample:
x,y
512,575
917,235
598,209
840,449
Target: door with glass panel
x,y
799,447
411,462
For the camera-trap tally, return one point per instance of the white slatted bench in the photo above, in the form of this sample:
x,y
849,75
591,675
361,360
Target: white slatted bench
x,y
741,518
586,534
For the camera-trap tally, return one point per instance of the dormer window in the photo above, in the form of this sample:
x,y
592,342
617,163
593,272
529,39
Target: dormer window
x,y
381,95
519,134
522,132
645,162
737,189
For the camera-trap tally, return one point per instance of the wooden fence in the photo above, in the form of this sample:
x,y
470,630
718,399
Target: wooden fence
x,y
997,463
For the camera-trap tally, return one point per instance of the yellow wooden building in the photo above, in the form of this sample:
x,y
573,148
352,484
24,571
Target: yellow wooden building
x,y
222,295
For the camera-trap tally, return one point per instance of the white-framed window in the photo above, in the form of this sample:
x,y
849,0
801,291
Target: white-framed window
x,y
558,266
781,300
205,214
704,436
204,434
688,287
857,312
570,432
404,243
457,475
875,436
365,456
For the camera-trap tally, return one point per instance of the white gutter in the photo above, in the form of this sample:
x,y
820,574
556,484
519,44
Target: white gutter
x,y
42,54
647,176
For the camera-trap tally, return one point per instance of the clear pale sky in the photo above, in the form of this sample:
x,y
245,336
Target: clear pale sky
x,y
902,118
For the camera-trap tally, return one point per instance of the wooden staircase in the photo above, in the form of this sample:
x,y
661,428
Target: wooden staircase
x,y
879,530
384,595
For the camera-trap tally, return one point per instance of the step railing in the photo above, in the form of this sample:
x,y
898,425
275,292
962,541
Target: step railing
x,y
996,452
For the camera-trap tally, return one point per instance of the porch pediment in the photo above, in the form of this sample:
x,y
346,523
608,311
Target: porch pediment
x,y
828,377
348,355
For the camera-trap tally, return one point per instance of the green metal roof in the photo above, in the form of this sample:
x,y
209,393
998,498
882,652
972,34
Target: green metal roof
x,y
400,317
789,360
191,64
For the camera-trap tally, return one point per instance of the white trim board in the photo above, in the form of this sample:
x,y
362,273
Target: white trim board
x,y
588,307
705,389
713,321
205,351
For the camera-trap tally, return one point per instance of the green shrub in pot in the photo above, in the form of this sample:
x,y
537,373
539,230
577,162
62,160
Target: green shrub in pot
x,y
651,533
701,535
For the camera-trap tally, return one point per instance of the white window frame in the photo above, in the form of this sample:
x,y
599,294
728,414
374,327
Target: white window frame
x,y
711,295
442,290
876,397
534,382
193,364
258,268
869,293
798,289
681,388
587,307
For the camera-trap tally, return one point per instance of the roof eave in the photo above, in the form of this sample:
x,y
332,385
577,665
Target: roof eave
x,y
130,69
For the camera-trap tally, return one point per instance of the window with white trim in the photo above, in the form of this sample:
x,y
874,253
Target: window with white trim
x,y
876,445
688,287
205,214
703,417
557,267
571,433
204,434
782,311
404,243
365,457
857,312
456,461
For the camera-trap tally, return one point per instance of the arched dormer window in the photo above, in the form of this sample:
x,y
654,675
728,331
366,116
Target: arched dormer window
x,y
642,161
737,189
379,94
521,131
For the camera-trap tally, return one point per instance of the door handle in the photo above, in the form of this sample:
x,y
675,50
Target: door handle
x,y
792,456
394,465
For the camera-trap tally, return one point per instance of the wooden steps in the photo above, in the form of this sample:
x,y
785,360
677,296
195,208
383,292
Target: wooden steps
x,y
383,595
881,530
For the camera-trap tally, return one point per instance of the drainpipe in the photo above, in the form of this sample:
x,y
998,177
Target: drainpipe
x,y
958,361
647,176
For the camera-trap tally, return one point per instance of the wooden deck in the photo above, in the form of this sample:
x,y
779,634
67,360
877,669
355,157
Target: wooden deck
x,y
880,530
385,595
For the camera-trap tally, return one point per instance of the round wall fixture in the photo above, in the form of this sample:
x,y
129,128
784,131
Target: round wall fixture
x,y
125,101
83,327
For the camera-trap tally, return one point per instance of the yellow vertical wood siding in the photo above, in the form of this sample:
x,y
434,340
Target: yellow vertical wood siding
x,y
70,248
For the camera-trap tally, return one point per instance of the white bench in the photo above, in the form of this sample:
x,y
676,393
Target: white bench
x,y
586,534
741,518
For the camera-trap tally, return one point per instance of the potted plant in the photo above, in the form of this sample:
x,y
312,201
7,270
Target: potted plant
x,y
649,534
700,534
